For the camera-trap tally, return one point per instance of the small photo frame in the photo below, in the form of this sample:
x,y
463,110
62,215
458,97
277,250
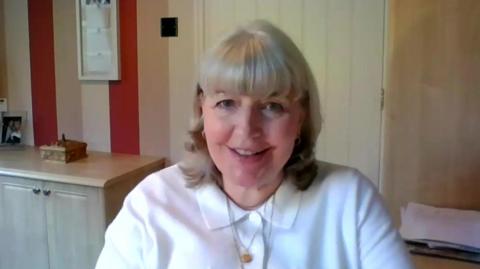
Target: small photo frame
x,y
12,129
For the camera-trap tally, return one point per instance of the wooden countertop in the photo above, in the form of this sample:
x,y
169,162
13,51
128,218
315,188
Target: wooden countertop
x,y
426,262
99,169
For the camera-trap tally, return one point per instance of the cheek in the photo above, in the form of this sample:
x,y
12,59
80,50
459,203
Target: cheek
x,y
216,131
284,131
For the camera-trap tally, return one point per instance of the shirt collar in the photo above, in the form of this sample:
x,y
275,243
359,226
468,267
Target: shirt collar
x,y
213,206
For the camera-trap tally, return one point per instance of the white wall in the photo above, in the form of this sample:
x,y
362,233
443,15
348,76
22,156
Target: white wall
x,y
17,51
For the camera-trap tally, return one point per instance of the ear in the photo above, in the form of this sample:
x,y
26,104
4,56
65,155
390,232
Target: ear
x,y
303,117
199,90
199,98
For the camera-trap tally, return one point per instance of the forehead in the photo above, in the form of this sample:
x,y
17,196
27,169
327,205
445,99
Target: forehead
x,y
255,94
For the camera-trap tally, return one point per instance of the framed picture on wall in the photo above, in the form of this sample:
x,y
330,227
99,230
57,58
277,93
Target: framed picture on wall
x,y
97,40
12,128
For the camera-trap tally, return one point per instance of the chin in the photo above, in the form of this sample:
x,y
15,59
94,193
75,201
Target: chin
x,y
250,181
246,182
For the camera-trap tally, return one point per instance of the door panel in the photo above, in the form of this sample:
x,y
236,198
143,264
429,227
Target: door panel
x,y
432,149
75,226
23,234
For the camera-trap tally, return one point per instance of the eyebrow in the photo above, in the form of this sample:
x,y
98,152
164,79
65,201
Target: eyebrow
x,y
275,94
219,92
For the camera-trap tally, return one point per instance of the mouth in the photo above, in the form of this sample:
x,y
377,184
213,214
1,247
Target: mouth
x,y
246,153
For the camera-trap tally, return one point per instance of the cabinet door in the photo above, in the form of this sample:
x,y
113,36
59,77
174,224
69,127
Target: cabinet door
x,y
75,219
23,239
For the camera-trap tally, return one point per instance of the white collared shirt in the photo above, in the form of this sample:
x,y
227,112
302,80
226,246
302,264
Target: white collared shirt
x,y
339,222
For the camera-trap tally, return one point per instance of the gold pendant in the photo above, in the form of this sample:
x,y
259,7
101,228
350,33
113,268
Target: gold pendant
x,y
246,258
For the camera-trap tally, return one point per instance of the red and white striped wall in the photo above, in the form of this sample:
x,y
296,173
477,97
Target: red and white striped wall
x,y
126,116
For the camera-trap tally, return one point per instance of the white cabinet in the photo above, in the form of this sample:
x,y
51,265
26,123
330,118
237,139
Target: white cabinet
x,y
23,225
54,216
75,224
62,225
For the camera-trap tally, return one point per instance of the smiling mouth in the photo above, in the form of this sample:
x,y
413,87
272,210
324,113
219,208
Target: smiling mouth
x,y
248,153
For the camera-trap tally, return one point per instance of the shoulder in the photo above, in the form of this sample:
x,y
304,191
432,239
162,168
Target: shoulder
x,y
341,178
161,187
341,188
169,177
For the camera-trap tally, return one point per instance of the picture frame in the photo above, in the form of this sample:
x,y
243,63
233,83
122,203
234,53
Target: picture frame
x,y
97,40
12,128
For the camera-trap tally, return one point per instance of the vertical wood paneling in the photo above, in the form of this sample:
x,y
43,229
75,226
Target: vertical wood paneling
x,y
432,117
269,10
245,10
315,49
366,83
291,19
339,74
219,19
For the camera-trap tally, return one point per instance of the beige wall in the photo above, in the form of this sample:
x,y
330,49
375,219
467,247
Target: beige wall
x,y
82,106
67,85
96,115
181,74
153,87
17,52
3,82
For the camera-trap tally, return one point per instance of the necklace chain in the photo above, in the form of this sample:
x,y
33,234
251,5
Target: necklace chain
x,y
246,256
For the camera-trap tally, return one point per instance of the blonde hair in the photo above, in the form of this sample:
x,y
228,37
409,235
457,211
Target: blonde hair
x,y
259,59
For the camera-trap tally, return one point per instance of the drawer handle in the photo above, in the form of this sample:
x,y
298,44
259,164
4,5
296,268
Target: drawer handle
x,y
36,190
46,192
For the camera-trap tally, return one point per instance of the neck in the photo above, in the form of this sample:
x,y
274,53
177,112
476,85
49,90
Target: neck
x,y
249,198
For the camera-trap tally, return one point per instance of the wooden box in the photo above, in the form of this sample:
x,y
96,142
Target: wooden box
x,y
64,151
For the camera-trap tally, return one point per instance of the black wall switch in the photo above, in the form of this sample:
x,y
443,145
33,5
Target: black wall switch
x,y
169,26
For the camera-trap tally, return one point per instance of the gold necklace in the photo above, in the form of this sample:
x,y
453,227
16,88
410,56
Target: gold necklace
x,y
243,252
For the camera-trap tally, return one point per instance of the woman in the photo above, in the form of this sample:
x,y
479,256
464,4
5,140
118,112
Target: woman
x,y
250,194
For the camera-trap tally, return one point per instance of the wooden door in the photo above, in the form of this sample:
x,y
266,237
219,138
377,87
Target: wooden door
x,y
23,231
76,225
343,42
432,136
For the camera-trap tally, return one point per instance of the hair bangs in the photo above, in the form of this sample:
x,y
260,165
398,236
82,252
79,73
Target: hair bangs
x,y
247,64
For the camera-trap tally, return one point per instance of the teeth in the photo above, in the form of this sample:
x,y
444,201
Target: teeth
x,y
245,152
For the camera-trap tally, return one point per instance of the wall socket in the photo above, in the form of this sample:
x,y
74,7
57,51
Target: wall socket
x,y
169,27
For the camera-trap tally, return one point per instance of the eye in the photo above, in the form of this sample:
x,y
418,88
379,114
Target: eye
x,y
274,108
225,104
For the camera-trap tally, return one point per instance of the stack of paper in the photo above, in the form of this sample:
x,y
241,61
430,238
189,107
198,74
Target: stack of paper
x,y
445,232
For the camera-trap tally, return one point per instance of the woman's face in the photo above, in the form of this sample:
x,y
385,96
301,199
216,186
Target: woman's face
x,y
250,138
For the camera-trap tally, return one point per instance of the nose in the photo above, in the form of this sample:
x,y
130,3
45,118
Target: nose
x,y
249,124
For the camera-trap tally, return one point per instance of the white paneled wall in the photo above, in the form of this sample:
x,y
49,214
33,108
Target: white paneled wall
x,y
343,42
